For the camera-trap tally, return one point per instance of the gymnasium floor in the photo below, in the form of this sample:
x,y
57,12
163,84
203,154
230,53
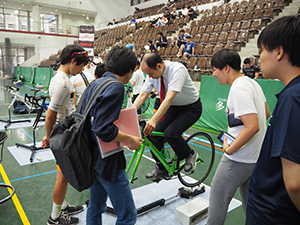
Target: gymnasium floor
x,y
34,182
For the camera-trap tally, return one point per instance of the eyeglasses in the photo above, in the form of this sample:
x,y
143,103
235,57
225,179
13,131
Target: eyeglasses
x,y
85,53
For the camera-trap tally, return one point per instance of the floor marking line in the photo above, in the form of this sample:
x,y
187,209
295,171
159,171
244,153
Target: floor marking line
x,y
15,198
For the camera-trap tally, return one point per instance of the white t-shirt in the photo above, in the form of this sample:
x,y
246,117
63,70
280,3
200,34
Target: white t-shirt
x,y
176,78
139,78
97,60
61,92
246,97
91,70
79,84
185,11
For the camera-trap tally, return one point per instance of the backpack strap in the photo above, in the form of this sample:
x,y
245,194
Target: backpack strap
x,y
84,79
101,87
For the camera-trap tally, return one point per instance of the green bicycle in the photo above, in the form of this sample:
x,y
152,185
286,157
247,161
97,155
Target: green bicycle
x,y
200,142
128,93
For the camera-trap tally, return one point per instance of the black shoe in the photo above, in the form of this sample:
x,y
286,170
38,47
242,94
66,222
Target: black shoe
x,y
63,219
72,209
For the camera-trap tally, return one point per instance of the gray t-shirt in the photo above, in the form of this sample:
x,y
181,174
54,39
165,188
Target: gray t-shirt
x,y
176,78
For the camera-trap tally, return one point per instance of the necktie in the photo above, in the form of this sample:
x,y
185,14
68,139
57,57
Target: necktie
x,y
162,92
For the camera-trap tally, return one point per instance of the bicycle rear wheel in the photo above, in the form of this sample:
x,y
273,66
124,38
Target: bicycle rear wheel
x,y
145,105
202,144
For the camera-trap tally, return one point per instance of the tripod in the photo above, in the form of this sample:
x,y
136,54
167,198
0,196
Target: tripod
x,y
40,109
15,92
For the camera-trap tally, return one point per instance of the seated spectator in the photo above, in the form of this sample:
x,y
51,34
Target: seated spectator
x,y
188,49
167,14
115,22
161,22
97,59
151,46
170,21
130,46
182,38
174,13
191,13
153,22
100,70
133,21
164,20
109,24
162,40
184,11
136,10
250,70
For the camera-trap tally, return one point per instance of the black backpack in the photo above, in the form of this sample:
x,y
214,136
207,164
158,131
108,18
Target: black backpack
x,y
71,143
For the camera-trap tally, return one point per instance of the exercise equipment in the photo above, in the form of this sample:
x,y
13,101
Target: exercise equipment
x,y
17,96
182,192
39,103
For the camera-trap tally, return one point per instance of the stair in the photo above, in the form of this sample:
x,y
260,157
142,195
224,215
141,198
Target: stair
x,y
251,47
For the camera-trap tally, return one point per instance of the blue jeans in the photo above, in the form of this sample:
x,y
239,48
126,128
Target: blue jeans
x,y
120,196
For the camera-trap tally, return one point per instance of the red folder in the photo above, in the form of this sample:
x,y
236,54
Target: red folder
x,y
127,123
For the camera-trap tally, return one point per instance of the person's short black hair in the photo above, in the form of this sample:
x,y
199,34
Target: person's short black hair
x,y
78,52
284,32
100,70
188,37
182,30
95,54
247,61
120,61
152,59
226,57
160,33
150,41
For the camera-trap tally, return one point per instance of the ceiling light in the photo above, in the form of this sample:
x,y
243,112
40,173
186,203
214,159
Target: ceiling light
x,y
69,12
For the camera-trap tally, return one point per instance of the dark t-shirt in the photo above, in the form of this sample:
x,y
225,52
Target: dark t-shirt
x,y
268,200
104,112
250,72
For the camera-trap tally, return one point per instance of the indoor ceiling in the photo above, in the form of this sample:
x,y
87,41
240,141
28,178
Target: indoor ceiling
x,y
25,6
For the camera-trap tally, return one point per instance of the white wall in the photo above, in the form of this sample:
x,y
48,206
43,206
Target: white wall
x,y
147,4
74,22
110,9
45,45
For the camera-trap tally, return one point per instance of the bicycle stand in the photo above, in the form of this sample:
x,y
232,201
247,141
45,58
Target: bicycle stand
x,y
182,192
15,92
9,121
33,147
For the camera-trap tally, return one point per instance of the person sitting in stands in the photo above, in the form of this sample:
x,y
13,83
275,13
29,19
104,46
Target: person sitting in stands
x,y
191,13
182,38
174,13
188,49
162,40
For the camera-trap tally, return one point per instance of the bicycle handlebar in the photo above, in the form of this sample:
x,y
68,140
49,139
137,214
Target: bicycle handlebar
x,y
8,87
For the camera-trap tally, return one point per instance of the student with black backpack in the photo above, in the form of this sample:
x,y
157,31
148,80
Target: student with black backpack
x,y
111,178
61,90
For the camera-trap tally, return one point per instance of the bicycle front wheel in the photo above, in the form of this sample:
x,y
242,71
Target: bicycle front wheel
x,y
202,144
145,105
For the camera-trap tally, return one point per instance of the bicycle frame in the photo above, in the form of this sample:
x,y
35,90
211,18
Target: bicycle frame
x,y
159,154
